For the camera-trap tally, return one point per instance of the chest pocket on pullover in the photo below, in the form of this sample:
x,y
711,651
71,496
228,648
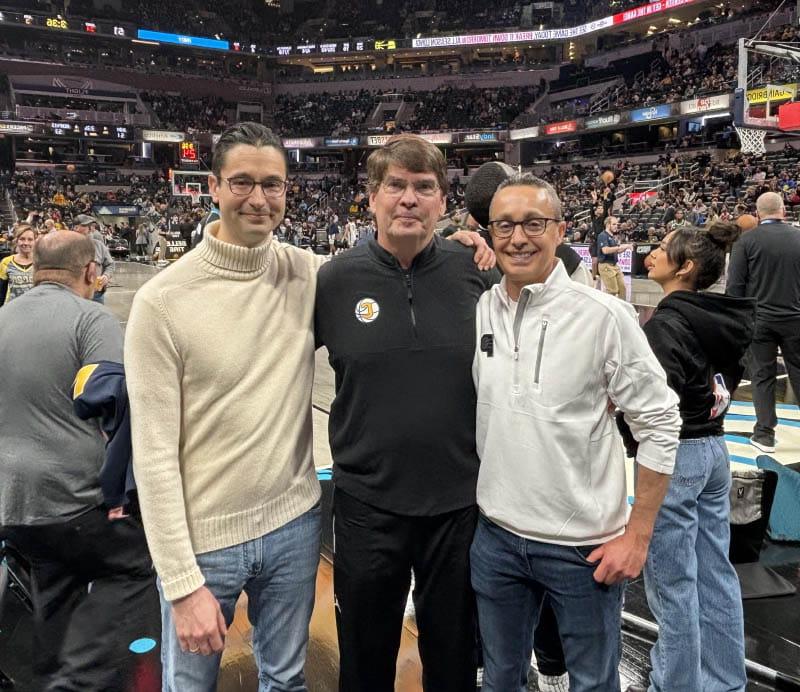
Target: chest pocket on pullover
x,y
554,379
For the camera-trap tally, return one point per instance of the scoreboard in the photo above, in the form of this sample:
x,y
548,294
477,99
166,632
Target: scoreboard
x,y
123,133
189,152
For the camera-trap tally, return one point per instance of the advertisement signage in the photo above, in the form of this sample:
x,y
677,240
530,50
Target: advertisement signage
x,y
646,10
561,128
523,133
703,104
115,210
512,36
602,121
651,113
783,92
480,137
438,137
162,136
635,197
12,128
377,140
551,34
623,259
341,141
433,137
181,40
300,142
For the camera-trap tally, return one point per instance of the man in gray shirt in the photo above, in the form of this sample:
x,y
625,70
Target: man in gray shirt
x,y
102,257
50,498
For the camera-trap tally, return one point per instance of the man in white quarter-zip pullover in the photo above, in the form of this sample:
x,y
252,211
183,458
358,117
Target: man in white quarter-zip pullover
x,y
551,354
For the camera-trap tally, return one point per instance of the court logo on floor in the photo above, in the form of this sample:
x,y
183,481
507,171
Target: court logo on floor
x,y
367,310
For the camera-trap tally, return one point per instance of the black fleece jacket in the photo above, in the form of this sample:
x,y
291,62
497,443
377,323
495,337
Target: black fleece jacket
x,y
401,343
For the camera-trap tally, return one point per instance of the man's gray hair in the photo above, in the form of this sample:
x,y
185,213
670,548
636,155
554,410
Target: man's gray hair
x,y
770,204
530,180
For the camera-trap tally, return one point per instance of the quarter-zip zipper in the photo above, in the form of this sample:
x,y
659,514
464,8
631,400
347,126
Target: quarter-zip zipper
x,y
410,292
519,315
538,368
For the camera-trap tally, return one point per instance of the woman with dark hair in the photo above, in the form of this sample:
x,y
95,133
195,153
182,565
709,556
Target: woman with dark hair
x,y
699,338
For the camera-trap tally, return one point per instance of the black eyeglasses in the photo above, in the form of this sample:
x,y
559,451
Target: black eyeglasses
x,y
241,187
504,228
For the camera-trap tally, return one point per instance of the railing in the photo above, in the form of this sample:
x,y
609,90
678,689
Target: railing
x,y
580,217
45,113
657,184
10,205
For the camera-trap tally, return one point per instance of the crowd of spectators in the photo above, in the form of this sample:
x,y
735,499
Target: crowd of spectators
x,y
678,189
263,23
447,108
680,75
323,114
70,103
649,198
46,201
187,115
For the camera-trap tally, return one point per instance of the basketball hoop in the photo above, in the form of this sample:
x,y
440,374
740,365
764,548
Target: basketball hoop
x,y
195,197
751,140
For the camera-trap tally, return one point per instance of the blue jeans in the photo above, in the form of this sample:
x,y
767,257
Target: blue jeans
x,y
691,585
510,576
278,573
99,298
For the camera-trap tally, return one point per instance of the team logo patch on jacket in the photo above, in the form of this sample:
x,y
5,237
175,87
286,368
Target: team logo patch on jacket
x,y
367,310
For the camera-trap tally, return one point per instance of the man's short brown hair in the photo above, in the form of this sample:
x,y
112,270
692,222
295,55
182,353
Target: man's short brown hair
x,y
411,152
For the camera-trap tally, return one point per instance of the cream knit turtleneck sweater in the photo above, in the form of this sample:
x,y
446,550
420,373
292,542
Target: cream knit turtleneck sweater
x,y
219,359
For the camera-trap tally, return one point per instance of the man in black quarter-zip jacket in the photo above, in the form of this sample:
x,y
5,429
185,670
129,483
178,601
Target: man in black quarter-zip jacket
x,y
397,316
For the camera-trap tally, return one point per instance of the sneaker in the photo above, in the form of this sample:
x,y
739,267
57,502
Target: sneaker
x,y
553,683
763,444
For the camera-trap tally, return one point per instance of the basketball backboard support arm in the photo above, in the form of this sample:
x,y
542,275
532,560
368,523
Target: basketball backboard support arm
x,y
776,50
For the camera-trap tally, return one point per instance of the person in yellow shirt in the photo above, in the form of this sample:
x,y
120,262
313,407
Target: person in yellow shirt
x,y
16,271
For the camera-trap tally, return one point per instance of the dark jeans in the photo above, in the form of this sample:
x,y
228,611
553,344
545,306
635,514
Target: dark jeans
x,y
511,576
763,366
91,582
547,644
375,552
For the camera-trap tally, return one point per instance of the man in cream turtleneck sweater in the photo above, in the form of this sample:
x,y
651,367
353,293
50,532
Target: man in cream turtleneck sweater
x,y
219,355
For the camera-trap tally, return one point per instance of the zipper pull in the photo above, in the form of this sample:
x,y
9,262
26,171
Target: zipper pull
x,y
516,352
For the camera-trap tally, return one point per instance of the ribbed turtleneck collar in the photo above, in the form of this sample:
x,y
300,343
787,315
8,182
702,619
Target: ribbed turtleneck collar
x,y
232,261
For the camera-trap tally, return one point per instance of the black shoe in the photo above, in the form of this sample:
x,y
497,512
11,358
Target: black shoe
x,y
764,444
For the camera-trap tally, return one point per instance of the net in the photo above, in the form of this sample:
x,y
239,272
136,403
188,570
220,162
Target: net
x,y
194,190
751,141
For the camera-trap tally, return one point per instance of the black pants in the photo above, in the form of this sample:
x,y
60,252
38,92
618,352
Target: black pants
x,y
763,366
93,592
375,552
